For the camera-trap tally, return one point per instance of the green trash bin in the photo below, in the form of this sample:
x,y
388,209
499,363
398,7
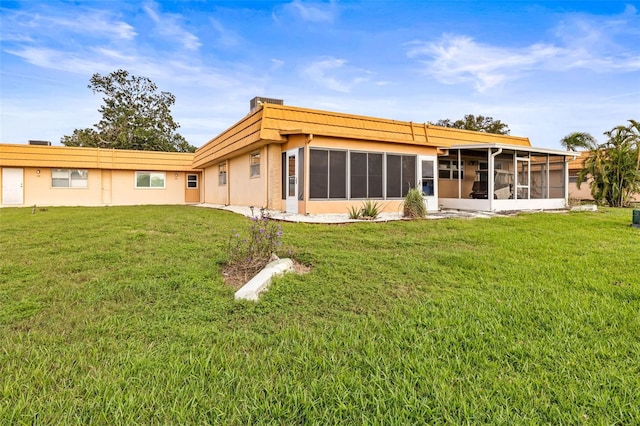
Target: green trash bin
x,y
635,220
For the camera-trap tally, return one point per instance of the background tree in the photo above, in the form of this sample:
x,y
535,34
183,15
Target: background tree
x,y
614,166
579,141
134,116
478,124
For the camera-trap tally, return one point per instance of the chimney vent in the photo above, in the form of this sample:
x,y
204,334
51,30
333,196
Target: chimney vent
x,y
258,100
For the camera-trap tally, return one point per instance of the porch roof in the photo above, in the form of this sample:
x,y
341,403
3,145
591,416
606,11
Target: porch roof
x,y
530,149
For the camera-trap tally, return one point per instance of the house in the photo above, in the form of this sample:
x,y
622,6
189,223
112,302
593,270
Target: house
x,y
300,160
584,192
69,176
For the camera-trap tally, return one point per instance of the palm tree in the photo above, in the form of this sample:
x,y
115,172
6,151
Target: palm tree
x,y
614,166
579,140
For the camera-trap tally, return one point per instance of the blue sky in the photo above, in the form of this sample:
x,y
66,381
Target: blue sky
x,y
545,68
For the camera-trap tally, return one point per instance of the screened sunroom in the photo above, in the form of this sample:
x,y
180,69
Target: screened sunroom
x,y
496,177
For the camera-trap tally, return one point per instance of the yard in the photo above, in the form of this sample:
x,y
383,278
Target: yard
x,y
119,315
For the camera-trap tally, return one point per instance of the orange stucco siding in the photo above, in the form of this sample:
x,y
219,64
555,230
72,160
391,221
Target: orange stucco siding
x,y
110,175
247,190
214,192
104,187
274,180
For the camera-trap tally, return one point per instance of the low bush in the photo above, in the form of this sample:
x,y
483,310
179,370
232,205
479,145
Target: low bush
x,y
414,204
370,209
247,255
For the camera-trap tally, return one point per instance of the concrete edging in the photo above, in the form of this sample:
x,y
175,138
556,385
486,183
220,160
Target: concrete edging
x,y
256,285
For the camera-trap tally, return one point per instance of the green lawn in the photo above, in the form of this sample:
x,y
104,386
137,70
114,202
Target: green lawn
x,y
119,315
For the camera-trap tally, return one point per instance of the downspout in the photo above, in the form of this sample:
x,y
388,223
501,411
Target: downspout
x,y
305,198
565,172
491,173
266,180
228,168
459,176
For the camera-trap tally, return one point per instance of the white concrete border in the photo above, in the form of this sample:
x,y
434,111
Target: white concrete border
x,y
256,285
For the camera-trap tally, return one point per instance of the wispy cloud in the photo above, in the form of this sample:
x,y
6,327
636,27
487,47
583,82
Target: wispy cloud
x,y
169,26
48,22
335,74
226,37
318,12
583,42
459,59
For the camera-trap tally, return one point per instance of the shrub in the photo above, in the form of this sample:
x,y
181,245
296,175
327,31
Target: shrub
x,y
414,204
247,255
370,209
354,212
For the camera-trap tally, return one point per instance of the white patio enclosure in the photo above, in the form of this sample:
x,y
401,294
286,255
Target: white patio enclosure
x,y
496,177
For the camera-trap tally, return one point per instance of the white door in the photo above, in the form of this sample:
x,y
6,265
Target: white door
x,y
523,177
291,165
12,183
428,182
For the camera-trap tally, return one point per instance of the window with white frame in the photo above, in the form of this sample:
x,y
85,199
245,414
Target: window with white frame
x,y
192,181
222,174
150,179
69,178
254,168
448,169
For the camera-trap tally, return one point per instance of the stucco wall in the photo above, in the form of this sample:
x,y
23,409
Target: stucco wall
x,y
343,206
214,193
246,190
104,187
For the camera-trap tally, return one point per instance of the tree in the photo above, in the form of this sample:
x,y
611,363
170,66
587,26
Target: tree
x,y
478,124
614,166
579,141
134,116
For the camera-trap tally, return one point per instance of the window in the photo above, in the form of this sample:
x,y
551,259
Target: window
x,y
222,174
573,177
428,177
328,174
448,169
328,178
401,174
254,168
150,179
69,178
192,181
483,165
366,175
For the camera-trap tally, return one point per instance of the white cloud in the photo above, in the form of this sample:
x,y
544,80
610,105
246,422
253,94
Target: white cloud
x,y
335,74
226,37
51,23
597,43
168,25
276,64
312,11
460,59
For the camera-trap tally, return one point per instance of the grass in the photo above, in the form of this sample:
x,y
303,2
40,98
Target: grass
x,y
119,315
